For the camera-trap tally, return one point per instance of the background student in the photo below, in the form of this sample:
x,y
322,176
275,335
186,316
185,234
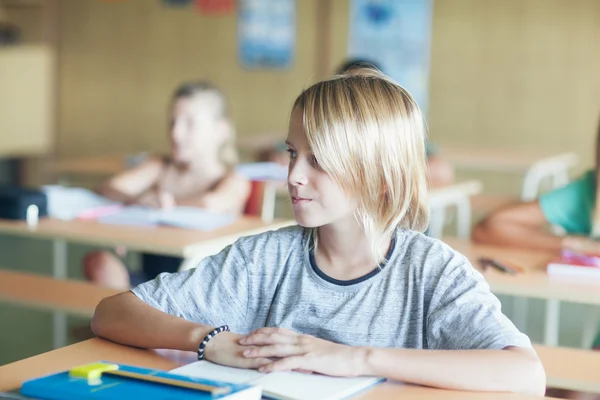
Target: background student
x,y
198,172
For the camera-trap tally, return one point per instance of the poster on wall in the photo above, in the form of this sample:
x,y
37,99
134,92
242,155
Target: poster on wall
x,y
266,33
215,7
395,34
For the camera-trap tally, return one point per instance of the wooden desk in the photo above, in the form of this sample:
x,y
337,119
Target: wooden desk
x,y
534,282
42,292
61,297
12,375
158,240
572,369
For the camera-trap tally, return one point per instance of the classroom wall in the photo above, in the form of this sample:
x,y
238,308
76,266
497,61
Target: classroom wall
x,y
506,73
119,63
521,73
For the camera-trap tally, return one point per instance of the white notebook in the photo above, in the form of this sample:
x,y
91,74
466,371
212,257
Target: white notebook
x,y
180,217
282,385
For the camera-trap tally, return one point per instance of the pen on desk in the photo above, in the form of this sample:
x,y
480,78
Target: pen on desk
x,y
497,264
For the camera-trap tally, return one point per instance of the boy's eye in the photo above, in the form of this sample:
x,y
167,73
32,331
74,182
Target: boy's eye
x,y
292,153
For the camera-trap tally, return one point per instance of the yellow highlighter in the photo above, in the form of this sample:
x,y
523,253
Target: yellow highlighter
x,y
92,371
95,371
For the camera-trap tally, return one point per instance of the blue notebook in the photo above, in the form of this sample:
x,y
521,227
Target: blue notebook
x,y
63,386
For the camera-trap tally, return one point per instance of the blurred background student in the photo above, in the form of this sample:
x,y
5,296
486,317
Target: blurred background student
x,y
527,224
440,171
199,172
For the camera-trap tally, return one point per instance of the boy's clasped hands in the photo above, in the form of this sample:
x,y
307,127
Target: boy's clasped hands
x,y
279,349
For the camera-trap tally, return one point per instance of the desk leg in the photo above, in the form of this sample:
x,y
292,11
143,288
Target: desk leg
x,y
59,271
59,259
590,327
551,326
59,329
463,218
519,312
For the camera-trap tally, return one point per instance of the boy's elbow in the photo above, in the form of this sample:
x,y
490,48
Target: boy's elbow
x,y
104,316
530,376
97,321
536,384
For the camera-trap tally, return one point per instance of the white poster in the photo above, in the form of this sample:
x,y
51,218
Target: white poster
x,y
266,33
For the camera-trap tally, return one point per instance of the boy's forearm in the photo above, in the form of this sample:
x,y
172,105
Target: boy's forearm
x,y
127,320
513,370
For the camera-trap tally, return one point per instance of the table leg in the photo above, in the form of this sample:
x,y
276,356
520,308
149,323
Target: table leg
x,y
519,312
551,325
59,329
590,327
59,259
59,271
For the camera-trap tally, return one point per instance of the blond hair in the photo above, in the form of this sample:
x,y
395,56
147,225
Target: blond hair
x,y
228,152
368,134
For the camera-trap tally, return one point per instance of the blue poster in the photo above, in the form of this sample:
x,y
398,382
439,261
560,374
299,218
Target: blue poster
x,y
266,33
395,34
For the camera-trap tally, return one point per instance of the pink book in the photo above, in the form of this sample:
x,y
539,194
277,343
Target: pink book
x,y
577,265
98,212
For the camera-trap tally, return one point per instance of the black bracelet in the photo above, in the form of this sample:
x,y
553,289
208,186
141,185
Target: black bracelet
x,y
212,334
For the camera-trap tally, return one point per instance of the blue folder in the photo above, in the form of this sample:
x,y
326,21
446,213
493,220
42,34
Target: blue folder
x,y
62,386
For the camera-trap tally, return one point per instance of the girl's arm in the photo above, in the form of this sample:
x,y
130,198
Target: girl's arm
x,y
229,196
520,225
130,186
523,225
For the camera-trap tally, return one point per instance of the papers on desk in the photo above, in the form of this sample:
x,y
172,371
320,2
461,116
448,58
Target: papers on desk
x,y
69,203
282,385
180,217
263,171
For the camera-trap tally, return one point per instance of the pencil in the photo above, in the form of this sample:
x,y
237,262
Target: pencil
x,y
169,381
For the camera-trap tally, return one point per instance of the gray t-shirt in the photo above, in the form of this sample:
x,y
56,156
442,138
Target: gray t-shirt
x,y
427,296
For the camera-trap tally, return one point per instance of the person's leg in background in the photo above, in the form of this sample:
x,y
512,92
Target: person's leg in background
x,y
106,269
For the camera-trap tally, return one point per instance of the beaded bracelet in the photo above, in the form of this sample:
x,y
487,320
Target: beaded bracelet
x,y
212,334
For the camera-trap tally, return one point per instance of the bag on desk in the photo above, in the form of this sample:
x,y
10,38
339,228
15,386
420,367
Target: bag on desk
x,y
15,200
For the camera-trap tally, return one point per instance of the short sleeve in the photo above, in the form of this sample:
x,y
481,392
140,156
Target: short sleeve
x,y
464,314
214,293
570,206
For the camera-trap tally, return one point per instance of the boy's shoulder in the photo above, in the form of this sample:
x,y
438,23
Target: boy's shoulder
x,y
285,237
419,244
433,256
